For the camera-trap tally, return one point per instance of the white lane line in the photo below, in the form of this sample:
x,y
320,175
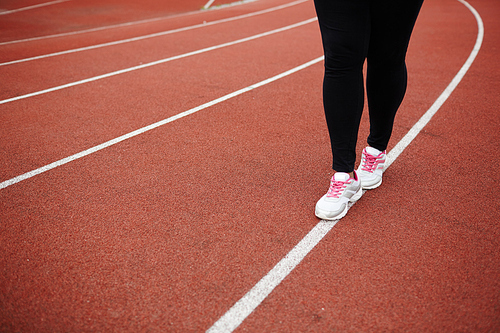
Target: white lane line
x,y
120,25
405,141
152,126
208,4
251,300
32,7
235,316
158,34
162,61
114,26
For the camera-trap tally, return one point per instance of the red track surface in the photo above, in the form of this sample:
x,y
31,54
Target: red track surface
x,y
75,15
167,230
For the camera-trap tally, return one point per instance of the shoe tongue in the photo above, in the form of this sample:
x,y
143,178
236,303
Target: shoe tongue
x,y
372,151
341,176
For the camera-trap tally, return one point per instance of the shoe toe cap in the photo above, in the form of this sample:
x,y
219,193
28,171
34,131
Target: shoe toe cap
x,y
329,210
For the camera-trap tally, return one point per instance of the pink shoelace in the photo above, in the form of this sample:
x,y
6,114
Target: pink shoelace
x,y
336,188
369,162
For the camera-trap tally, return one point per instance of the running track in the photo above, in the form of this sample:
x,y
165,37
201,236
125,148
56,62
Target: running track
x,y
168,229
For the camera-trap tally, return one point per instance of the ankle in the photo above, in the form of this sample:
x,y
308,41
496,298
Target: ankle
x,y
351,174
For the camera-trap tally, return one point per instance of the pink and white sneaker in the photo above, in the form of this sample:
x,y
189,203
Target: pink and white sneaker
x,y
371,168
335,203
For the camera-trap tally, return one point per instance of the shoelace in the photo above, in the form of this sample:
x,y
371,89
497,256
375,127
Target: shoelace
x,y
336,189
369,162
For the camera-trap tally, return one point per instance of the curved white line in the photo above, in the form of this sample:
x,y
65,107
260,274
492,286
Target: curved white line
x,y
78,32
112,142
32,7
154,63
158,34
415,130
251,300
63,161
120,25
208,4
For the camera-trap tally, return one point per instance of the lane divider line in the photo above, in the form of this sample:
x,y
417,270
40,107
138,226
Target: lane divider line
x,y
158,34
121,25
415,130
228,4
208,4
154,63
252,299
32,7
112,142
235,316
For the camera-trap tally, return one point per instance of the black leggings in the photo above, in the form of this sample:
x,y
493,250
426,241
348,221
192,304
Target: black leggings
x,y
352,31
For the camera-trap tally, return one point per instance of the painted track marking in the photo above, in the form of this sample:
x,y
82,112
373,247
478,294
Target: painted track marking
x,y
154,63
114,26
413,132
208,4
32,7
152,126
121,25
252,299
158,34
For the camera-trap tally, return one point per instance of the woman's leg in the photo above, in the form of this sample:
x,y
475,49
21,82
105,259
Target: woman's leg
x,y
392,22
345,31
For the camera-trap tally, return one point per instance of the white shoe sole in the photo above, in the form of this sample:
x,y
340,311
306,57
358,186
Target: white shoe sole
x,y
371,187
